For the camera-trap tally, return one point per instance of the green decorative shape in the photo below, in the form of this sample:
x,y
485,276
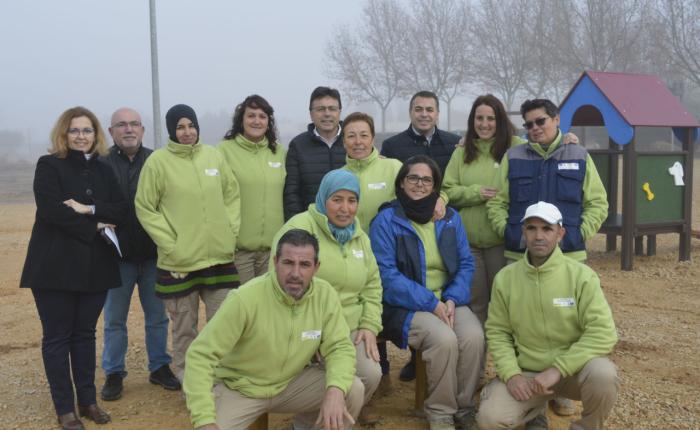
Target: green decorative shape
x,y
667,204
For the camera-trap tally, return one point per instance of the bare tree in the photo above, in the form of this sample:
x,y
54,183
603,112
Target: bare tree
x,y
436,56
500,55
364,61
681,18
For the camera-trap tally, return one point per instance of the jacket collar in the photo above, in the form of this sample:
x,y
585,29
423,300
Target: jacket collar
x,y
322,221
554,260
401,218
183,150
552,147
115,149
360,165
284,298
249,145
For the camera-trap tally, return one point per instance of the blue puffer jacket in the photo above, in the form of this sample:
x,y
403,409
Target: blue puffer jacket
x,y
401,259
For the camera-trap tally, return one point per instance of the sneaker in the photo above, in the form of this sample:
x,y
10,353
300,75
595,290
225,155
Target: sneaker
x,y
540,422
466,421
165,378
112,389
408,372
562,406
442,424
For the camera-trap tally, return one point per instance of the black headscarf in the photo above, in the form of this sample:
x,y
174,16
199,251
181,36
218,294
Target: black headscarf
x,y
175,114
421,210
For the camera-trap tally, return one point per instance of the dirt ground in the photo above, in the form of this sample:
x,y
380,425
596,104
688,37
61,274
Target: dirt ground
x,y
655,308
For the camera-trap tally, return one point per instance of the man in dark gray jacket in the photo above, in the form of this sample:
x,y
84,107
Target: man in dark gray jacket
x,y
137,266
314,152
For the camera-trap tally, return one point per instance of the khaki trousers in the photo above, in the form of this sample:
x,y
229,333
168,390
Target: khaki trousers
x,y
251,264
184,319
487,262
453,360
596,385
366,369
305,393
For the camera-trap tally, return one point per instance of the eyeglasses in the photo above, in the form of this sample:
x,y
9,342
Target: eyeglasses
x,y
123,124
415,179
87,131
320,109
539,122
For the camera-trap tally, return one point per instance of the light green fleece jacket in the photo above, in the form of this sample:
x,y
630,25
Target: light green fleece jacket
x,y
595,201
376,175
188,202
463,183
351,269
552,315
261,338
260,175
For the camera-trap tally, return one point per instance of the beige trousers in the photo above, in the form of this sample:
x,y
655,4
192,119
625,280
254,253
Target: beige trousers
x,y
487,262
596,385
305,393
366,369
184,319
251,264
453,360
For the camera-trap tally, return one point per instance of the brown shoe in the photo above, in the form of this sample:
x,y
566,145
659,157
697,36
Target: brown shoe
x,y
70,422
94,413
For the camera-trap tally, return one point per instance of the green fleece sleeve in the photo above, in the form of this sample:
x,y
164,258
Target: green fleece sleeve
x,y
232,198
460,195
499,332
595,201
599,335
497,207
217,338
371,295
336,347
147,202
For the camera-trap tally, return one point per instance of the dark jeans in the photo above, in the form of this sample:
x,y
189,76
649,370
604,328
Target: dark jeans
x,y
68,321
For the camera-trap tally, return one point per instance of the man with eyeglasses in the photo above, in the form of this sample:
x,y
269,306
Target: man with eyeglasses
x,y
314,152
137,266
422,136
544,169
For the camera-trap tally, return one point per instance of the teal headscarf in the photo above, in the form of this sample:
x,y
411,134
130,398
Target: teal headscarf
x,y
334,181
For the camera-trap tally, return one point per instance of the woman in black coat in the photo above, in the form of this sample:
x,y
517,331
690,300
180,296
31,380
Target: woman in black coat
x,y
70,264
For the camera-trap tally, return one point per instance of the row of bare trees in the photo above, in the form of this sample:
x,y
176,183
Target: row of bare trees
x,y
512,48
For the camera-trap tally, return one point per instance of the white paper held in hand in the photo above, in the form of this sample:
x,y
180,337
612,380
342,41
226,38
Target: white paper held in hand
x,y
109,232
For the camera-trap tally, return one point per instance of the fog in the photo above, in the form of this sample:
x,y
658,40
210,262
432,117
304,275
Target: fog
x,y
58,54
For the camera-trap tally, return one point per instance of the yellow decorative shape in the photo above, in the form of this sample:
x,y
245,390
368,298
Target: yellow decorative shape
x,y
647,189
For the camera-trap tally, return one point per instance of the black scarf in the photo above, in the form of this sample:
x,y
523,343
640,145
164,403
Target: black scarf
x,y
421,210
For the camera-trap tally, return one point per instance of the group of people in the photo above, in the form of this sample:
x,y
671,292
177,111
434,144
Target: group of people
x,y
448,248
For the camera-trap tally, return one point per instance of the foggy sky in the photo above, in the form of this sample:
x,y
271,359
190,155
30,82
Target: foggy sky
x,y
212,53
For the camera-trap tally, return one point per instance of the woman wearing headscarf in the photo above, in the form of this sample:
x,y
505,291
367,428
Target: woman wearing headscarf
x,y
188,202
70,263
257,160
426,270
348,264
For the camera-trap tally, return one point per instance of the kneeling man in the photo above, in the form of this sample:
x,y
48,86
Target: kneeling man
x,y
549,329
256,350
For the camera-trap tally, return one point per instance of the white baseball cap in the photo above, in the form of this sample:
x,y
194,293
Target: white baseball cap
x,y
545,211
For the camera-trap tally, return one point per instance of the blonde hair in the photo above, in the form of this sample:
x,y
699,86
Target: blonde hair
x,y
59,133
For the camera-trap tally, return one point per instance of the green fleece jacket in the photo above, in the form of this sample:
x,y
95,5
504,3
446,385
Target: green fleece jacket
x,y
595,201
260,175
376,175
463,183
189,204
552,315
261,338
351,269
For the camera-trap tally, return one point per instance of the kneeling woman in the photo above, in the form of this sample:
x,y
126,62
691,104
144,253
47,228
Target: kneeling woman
x,y
347,263
426,270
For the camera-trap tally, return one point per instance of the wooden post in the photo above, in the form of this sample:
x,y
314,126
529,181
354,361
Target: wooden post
x,y
685,235
651,245
629,204
421,382
614,170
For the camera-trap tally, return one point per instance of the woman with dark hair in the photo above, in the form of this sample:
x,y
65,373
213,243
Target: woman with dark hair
x,y
188,202
256,159
70,263
470,180
426,270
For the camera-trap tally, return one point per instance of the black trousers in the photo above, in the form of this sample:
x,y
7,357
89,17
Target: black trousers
x,y
68,320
